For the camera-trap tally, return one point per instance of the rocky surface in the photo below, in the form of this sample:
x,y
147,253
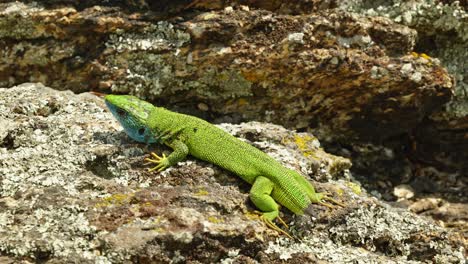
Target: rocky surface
x,y
73,189
345,76
382,83
435,155
441,139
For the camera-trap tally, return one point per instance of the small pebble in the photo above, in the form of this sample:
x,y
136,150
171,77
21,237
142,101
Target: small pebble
x,y
203,107
403,191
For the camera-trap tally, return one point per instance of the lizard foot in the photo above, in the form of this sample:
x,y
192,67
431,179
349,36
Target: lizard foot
x,y
266,219
273,226
327,197
162,162
282,222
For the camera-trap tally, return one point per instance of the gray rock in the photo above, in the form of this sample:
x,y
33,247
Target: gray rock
x,y
74,189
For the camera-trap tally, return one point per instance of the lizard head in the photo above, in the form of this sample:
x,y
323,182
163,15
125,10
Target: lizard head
x,y
132,113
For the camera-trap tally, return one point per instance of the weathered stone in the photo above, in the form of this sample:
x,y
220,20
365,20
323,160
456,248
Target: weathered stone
x,y
349,77
55,46
355,73
73,189
442,28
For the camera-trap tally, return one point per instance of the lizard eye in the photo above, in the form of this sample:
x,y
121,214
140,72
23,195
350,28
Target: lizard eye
x,y
120,112
141,131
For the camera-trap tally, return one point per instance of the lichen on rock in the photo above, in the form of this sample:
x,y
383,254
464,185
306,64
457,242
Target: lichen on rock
x,y
74,189
380,83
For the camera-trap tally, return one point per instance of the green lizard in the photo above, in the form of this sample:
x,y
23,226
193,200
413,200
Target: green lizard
x,y
271,182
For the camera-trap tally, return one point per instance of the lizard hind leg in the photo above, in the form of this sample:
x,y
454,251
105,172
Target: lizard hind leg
x,y
314,196
260,195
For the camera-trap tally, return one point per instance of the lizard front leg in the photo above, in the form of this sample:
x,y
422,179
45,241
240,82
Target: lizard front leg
x,y
260,195
179,153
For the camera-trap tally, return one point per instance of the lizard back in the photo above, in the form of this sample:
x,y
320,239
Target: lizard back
x,y
210,143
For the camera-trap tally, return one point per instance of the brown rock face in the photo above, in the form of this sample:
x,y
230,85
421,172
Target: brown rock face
x,y
345,76
329,71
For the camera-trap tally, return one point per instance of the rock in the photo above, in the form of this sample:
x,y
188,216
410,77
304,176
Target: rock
x,y
347,77
308,65
425,205
73,189
442,33
382,83
403,191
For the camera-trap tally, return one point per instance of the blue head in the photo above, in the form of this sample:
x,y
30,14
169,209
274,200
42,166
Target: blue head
x,y
132,113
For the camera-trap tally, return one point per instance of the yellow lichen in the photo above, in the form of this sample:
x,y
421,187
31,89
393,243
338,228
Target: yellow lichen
x,y
215,220
157,220
158,229
340,192
201,192
115,199
425,56
253,76
242,102
251,215
422,55
209,16
147,204
354,187
302,143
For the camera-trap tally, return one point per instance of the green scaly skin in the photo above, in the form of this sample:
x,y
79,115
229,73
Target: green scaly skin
x,y
271,182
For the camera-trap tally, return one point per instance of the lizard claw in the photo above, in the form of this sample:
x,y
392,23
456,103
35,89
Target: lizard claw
x,y
334,201
162,162
320,198
282,222
327,197
273,226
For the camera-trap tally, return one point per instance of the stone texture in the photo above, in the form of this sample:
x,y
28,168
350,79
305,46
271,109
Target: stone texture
x,y
73,189
442,33
373,80
346,76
